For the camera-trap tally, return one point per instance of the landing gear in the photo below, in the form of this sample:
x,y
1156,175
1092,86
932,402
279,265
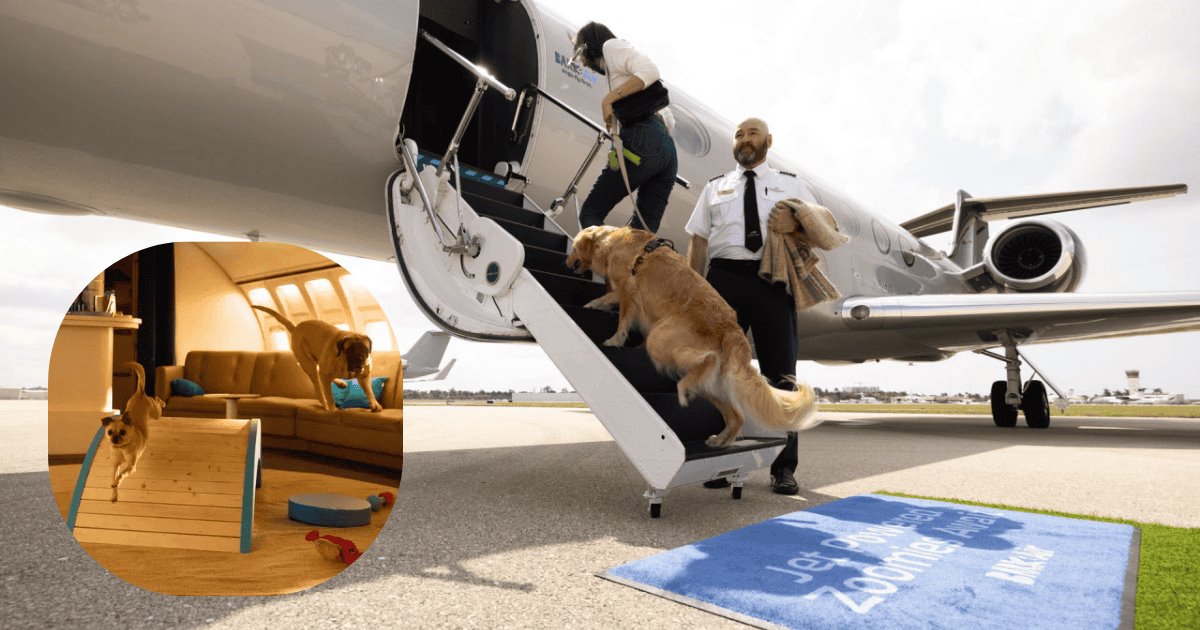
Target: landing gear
x,y
1003,414
1036,405
1008,395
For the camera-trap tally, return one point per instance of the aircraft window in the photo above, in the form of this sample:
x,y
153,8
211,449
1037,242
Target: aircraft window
x,y
356,293
293,302
690,134
883,240
279,340
261,297
328,306
381,336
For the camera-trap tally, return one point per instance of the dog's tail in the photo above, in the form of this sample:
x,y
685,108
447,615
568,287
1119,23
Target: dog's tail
x,y
776,408
282,320
139,375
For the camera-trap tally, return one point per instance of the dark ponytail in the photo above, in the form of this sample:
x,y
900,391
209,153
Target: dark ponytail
x,y
592,37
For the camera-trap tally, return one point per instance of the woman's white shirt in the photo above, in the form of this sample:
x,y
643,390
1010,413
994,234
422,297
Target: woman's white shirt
x,y
623,61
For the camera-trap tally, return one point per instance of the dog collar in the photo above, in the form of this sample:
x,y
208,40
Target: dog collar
x,y
649,249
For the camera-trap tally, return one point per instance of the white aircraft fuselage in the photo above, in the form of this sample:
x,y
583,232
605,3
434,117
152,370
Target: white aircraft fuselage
x,y
277,120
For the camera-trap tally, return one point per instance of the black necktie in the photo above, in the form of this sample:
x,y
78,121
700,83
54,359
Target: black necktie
x,y
754,240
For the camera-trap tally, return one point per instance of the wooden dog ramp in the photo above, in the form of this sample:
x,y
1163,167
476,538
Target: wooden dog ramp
x,y
193,488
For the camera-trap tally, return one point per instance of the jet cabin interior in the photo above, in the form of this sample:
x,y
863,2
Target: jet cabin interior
x,y
197,296
497,35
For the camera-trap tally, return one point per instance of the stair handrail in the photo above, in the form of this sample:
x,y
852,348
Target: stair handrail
x,y
475,69
483,80
410,165
602,135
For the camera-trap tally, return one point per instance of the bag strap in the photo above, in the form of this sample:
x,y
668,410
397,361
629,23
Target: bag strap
x,y
619,148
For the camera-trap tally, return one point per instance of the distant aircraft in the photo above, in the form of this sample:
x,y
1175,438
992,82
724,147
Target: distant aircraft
x,y
423,358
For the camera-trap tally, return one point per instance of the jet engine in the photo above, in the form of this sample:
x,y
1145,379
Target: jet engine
x,y
1036,256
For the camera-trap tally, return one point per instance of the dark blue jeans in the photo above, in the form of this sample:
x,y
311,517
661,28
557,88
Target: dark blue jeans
x,y
652,179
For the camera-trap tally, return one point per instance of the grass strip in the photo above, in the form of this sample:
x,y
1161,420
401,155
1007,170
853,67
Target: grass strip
x,y
1168,589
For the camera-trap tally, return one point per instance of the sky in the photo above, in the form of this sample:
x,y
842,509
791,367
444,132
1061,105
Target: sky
x,y
897,104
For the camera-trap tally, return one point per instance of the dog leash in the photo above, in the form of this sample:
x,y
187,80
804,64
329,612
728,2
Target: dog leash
x,y
649,249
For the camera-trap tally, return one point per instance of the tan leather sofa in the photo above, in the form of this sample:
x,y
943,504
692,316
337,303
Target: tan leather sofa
x,y
291,416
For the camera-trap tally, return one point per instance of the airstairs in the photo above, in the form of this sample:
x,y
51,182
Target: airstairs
x,y
485,263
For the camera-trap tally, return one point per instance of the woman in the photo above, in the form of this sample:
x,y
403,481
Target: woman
x,y
652,171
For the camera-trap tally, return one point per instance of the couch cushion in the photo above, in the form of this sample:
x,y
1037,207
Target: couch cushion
x,y
357,429
274,406
221,371
389,364
214,407
278,374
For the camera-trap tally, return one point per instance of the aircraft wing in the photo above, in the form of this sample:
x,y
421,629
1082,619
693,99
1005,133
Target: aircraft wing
x,y
955,323
998,208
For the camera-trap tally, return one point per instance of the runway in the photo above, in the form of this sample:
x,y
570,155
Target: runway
x,y
506,515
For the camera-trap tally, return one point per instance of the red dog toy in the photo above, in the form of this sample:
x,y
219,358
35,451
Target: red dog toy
x,y
334,548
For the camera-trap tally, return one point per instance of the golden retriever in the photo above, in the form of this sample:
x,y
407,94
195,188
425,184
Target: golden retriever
x,y
691,332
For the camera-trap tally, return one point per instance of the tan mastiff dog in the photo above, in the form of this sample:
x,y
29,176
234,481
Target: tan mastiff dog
x,y
328,354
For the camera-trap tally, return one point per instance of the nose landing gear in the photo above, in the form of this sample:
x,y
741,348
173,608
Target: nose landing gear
x,y
1008,395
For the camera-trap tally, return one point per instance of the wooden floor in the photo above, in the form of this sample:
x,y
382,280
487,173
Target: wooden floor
x,y
187,491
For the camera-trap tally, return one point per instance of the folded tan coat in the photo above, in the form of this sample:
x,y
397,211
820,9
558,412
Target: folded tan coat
x,y
789,258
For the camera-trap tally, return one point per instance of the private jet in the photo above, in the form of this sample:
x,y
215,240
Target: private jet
x,y
451,137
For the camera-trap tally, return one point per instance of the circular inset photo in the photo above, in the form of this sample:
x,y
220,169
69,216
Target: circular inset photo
x,y
225,418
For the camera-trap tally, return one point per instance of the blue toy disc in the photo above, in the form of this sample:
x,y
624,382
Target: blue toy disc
x,y
329,510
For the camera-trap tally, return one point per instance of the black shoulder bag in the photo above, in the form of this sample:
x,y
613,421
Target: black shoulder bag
x,y
641,104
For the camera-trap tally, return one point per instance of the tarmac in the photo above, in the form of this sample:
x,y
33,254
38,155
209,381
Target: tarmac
x,y
506,515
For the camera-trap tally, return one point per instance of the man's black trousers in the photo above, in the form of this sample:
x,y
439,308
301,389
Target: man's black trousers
x,y
769,313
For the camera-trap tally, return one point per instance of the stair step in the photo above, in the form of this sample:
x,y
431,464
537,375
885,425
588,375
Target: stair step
x,y
695,422
529,235
699,450
637,368
547,260
568,290
600,325
490,207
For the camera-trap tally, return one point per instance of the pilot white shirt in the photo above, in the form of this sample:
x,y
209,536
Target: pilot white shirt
x,y
622,61
719,215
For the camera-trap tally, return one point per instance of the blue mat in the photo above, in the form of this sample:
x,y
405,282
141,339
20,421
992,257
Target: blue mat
x,y
877,561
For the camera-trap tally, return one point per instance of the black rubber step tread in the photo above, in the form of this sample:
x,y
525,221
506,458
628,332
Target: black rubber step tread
x,y
488,189
599,325
490,207
697,421
637,368
568,290
547,260
699,450
529,235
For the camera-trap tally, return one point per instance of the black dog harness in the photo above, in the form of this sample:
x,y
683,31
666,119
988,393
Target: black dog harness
x,y
649,249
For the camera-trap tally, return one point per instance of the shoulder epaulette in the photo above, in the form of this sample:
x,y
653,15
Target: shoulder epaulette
x,y
788,174
717,177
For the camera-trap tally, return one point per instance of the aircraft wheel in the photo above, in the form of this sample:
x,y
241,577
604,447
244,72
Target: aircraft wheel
x,y
1003,414
655,510
737,492
1036,405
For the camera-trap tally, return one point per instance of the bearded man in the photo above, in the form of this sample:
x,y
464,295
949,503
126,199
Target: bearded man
x,y
727,228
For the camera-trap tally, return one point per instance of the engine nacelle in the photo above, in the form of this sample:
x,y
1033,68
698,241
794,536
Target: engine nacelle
x,y
1036,255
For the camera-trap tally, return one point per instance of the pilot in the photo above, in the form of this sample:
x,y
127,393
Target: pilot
x,y
651,161
727,228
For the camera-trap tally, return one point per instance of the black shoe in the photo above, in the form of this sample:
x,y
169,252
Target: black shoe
x,y
782,482
714,484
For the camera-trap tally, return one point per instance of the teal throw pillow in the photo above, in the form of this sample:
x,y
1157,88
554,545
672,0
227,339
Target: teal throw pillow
x,y
352,395
184,387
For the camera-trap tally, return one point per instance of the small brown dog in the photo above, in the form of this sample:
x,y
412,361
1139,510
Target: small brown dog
x,y
328,354
691,331
129,432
